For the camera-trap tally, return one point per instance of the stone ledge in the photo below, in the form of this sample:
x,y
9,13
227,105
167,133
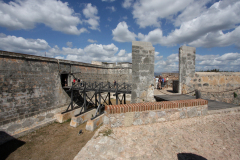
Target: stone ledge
x,y
76,121
223,111
65,116
93,124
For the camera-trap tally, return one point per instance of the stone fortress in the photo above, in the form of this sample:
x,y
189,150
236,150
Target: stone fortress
x,y
31,86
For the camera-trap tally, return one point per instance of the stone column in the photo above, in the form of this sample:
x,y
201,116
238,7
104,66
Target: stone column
x,y
186,67
142,72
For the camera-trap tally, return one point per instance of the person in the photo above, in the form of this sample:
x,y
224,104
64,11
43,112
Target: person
x,y
162,83
74,80
81,82
65,82
156,83
114,83
78,80
167,81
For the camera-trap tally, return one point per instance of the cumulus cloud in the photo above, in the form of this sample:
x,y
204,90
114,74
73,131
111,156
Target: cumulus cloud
x,y
150,12
69,44
112,8
121,52
91,41
122,34
203,28
25,14
22,45
91,12
127,3
97,50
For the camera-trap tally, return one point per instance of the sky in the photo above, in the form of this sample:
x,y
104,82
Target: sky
x,y
103,30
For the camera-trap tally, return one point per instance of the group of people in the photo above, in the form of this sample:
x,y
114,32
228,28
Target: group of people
x,y
161,82
80,82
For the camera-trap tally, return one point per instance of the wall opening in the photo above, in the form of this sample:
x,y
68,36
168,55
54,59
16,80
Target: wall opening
x,y
64,80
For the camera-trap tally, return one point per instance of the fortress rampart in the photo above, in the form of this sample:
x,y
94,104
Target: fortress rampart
x,y
31,85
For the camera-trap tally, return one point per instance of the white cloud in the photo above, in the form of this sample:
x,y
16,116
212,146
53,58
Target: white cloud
x,y
150,12
91,41
69,44
112,8
125,17
229,56
122,34
59,57
91,12
26,14
121,52
22,45
154,36
97,50
157,58
127,3
192,11
206,30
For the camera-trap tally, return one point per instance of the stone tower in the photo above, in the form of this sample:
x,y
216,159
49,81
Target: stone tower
x,y
142,72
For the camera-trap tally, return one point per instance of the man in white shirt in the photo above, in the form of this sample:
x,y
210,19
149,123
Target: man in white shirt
x,y
156,83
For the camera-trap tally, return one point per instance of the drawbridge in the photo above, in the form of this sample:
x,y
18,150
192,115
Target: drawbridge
x,y
95,95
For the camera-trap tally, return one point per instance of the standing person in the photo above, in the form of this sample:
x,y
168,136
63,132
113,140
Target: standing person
x,y
81,82
65,82
162,83
78,80
156,83
74,80
167,81
114,83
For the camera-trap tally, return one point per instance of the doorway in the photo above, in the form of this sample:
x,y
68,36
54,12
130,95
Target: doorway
x,y
64,80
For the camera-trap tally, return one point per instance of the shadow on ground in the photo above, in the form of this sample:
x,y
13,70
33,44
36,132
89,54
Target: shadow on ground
x,y
10,146
189,156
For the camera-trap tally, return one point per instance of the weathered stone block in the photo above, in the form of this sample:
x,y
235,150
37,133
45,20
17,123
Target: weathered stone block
x,y
192,112
14,127
27,123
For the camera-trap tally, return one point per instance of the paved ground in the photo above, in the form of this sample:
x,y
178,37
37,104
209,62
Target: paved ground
x,y
209,137
167,95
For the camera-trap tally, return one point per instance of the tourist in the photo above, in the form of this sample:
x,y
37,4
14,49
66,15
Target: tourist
x,y
74,80
160,82
167,81
65,82
162,85
114,83
156,80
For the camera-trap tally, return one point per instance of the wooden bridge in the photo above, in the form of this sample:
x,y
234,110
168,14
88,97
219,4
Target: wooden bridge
x,y
87,91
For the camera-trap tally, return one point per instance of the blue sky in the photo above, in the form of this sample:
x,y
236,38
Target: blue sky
x,y
103,30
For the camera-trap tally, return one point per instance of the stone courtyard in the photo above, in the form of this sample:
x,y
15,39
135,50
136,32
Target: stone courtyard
x,y
210,137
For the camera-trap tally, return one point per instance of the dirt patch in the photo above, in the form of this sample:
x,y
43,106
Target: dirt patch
x,y
55,141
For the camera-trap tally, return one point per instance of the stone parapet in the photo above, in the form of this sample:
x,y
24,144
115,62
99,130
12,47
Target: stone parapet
x,y
146,113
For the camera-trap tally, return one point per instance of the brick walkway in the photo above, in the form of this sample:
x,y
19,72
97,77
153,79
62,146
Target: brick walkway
x,y
212,137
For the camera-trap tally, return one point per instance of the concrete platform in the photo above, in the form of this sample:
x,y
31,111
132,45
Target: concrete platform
x,y
76,121
65,116
212,105
93,124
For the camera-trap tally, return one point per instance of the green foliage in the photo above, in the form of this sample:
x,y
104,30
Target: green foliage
x,y
107,132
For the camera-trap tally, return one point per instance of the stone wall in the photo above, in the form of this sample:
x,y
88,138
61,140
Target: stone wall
x,y
31,85
219,86
186,66
153,112
142,72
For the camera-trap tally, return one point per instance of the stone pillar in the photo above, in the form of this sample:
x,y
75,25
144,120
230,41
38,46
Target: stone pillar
x,y
186,67
142,72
